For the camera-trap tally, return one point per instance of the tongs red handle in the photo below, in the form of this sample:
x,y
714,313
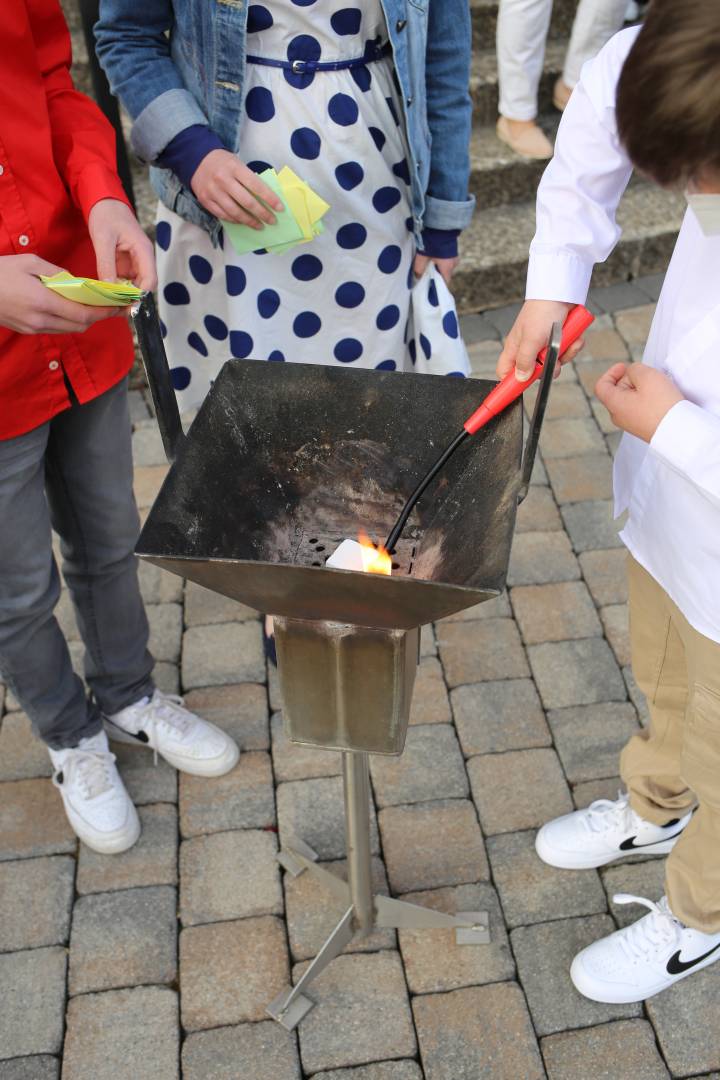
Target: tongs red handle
x,y
510,388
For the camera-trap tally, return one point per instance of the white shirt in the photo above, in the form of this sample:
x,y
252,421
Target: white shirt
x,y
671,487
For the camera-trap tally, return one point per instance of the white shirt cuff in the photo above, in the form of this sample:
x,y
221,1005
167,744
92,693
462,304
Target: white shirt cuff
x,y
558,275
687,440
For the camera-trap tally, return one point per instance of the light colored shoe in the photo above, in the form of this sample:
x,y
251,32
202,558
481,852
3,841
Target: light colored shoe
x,y
607,830
646,957
561,95
525,138
188,742
98,807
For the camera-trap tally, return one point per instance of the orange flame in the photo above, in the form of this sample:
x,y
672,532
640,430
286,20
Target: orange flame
x,y
376,560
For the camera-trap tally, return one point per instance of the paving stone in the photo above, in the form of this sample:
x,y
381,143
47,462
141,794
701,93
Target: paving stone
x,y
431,768
151,861
22,756
503,318
313,913
241,799
570,438
478,1033
582,478
555,612
637,697
226,653
539,475
432,844
494,716
617,297
362,1013
123,1033
483,356
566,401
591,790
293,761
428,644
430,704
605,345
591,525
380,1070
531,891
617,630
651,284
541,557
274,693
497,608
33,994
605,574
543,954
590,371
147,481
313,811
518,790
32,821
230,971
473,651
576,673
241,710
264,1051
433,960
147,447
623,1048
538,512
634,324
685,1022
159,586
645,878
229,875
165,631
36,898
125,938
477,327
167,677
589,738
137,406
145,781
602,418
203,607
40,1067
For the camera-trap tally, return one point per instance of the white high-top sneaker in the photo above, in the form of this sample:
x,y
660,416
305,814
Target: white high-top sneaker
x,y
185,740
97,805
644,958
605,831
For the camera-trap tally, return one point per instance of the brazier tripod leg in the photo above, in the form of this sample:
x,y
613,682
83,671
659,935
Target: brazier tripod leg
x,y
356,786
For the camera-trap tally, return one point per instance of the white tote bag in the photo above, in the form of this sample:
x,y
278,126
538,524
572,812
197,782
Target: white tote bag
x,y
435,345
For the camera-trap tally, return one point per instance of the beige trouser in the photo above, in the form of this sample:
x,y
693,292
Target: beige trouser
x,y
675,762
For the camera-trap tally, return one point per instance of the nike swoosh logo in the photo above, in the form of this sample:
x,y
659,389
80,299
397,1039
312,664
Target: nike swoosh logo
x,y
676,966
141,735
630,845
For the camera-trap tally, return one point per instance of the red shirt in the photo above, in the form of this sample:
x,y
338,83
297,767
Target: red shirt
x,y
57,159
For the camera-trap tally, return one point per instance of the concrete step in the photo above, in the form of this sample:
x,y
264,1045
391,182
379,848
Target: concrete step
x,y
498,175
484,81
494,250
484,20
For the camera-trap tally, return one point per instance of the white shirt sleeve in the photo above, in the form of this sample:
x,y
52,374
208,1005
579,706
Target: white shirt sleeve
x,y
583,184
687,440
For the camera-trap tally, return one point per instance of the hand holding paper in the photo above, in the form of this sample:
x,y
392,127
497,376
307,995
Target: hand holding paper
x,y
92,292
297,223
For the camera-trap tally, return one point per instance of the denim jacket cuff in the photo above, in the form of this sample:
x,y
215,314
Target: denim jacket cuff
x,y
164,118
444,214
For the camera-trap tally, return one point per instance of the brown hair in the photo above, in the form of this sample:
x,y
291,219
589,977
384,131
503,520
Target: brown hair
x,y
668,100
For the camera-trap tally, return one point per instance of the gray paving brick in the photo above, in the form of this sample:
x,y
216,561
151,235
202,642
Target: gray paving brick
x,y
566,401
147,447
465,1035
380,1070
432,844
312,810
646,878
35,900
165,631
37,1067
22,756
580,479
591,525
241,710
570,438
634,323
605,345
264,1051
651,284
477,327
503,318
604,572
685,1022
241,799
589,738
538,512
123,938
617,297
167,677
496,608
293,761
543,954
370,989
204,607
617,630
431,767
586,793
483,357
32,821
33,991
538,558
123,1033
221,654
521,789
430,704
623,1048
576,673
637,697
473,651
151,861
229,875
428,644
145,781
495,716
159,586
555,612
274,694
147,481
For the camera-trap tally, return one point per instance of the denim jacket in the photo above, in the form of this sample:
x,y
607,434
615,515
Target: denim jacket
x,y
175,63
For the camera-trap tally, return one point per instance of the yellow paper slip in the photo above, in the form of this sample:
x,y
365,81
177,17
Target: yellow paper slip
x,y
92,292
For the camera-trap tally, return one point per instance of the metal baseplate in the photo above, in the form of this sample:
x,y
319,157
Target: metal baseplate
x,y
286,857
477,932
289,1016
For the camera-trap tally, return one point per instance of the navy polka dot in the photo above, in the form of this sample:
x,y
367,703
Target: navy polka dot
x,y
163,328
268,302
181,377
299,80
305,143
412,349
258,18
163,234
346,21
362,78
304,47
388,317
241,344
258,166
393,110
389,259
259,105
235,280
276,355
402,171
200,269
347,350
432,294
349,175
176,293
410,277
351,236
350,295
385,198
456,375
215,327
303,3
386,365
306,267
196,342
343,109
371,47
409,225
450,324
378,137
425,346
306,324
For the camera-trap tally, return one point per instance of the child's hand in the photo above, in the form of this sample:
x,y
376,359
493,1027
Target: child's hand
x,y
122,249
27,307
229,190
637,397
445,266
530,335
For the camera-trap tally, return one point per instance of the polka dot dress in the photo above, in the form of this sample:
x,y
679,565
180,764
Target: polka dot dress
x,y
342,299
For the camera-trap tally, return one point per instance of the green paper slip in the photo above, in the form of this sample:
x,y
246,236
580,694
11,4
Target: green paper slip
x,y
91,292
285,230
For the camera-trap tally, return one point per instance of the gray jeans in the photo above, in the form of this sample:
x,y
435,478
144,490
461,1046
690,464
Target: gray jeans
x,y
74,475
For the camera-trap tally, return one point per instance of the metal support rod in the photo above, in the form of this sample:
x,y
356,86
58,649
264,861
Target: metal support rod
x,y
356,783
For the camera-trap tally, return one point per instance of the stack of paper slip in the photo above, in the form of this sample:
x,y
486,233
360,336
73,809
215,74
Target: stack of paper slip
x,y
299,221
90,291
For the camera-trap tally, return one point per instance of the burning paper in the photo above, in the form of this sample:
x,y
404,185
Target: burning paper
x,y
362,555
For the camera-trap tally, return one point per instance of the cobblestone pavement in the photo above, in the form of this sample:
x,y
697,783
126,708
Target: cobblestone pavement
x,y
159,963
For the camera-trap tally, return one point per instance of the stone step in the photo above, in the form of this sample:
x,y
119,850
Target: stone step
x,y
498,175
484,20
494,249
484,81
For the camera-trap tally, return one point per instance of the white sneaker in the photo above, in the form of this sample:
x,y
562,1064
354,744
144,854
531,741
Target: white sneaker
x,y
97,805
185,740
605,831
644,958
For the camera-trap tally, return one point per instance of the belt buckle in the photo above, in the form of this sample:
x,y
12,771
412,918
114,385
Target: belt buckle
x,y
298,67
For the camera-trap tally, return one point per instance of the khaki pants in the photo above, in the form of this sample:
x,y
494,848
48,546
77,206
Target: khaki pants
x,y
675,762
